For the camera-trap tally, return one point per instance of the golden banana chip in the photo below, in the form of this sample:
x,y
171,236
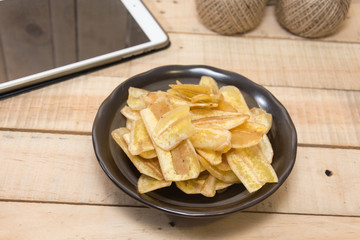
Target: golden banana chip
x,y
211,83
173,127
175,93
262,117
126,137
135,100
191,90
150,97
149,167
220,185
266,149
139,138
148,184
225,176
222,122
208,189
128,124
234,97
224,165
200,113
192,186
205,98
247,134
148,154
130,114
250,166
196,186
225,106
211,139
213,157
243,138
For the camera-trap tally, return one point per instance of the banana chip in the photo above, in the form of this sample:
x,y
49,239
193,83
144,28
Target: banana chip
x,y
251,167
211,139
224,165
200,113
149,167
173,127
190,90
135,100
225,176
262,117
225,106
130,114
211,83
203,138
247,135
148,184
202,185
139,138
266,149
148,154
208,189
223,122
128,123
234,97
213,157
192,186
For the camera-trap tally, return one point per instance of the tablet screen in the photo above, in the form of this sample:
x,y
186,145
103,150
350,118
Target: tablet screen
x,y
40,35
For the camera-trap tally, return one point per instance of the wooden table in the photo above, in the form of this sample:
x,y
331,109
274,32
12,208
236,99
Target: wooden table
x,y
52,187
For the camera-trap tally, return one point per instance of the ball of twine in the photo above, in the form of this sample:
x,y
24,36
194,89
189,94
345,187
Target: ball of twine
x,y
311,18
230,16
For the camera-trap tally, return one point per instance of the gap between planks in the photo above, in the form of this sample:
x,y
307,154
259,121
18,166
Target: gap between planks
x,y
146,207
319,40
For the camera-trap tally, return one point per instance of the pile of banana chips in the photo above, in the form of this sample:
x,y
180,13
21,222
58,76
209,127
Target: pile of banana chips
x,y
199,136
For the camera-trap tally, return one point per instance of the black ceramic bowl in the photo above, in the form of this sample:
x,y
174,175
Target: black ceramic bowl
x,y
171,200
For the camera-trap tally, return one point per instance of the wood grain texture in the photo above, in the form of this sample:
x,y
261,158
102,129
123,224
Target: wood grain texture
x,y
48,221
66,106
66,170
181,17
266,61
327,117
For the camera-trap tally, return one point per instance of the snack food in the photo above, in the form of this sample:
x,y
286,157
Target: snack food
x,y
199,136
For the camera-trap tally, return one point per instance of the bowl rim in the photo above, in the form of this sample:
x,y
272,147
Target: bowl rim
x,y
190,68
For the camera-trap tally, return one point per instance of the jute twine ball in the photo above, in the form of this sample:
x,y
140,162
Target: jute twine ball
x,y
311,18
230,16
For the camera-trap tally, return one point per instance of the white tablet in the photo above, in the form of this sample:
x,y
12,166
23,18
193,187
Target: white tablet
x,y
41,40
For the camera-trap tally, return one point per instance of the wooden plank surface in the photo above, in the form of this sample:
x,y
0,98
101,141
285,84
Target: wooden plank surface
x,y
27,44
181,17
71,106
49,221
266,61
67,106
66,170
